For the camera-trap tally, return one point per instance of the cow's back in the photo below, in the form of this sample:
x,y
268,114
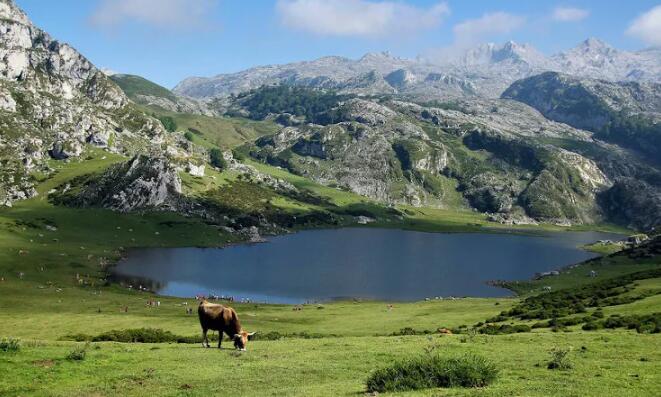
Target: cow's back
x,y
218,317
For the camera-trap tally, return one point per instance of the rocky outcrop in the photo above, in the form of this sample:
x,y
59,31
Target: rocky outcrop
x,y
54,102
633,203
625,113
139,184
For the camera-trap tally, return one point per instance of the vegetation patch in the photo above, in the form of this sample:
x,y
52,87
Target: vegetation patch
x,y
560,359
314,105
79,353
10,345
136,335
570,301
643,324
157,335
432,371
492,329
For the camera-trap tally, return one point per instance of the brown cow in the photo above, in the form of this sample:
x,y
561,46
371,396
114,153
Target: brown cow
x,y
222,319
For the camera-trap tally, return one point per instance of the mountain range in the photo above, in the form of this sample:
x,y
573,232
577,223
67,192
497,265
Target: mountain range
x,y
486,71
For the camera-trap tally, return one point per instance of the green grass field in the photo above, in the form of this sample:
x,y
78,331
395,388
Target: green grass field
x,y
605,364
53,261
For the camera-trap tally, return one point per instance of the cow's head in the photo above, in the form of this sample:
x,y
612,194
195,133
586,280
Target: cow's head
x,y
241,339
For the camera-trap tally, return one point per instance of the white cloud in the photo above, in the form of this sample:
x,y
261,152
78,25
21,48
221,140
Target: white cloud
x,y
358,17
569,14
476,30
164,14
647,27
471,32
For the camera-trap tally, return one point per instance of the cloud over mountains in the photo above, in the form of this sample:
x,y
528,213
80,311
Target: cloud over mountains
x,y
162,14
359,17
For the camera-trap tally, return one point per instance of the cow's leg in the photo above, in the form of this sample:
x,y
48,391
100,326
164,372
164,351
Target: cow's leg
x,y
220,338
205,339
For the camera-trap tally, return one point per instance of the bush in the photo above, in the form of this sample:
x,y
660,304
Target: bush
x,y
10,345
560,359
156,335
138,335
79,353
407,331
592,326
168,123
188,135
216,158
431,371
492,329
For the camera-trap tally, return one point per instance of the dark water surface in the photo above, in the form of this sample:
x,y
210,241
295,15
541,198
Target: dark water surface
x,y
381,264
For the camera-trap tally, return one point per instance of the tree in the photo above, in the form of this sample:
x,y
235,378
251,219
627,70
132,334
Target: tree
x,y
216,159
169,123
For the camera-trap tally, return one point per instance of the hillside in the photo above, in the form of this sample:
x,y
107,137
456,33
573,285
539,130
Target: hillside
x,y
145,92
134,86
54,104
625,113
496,156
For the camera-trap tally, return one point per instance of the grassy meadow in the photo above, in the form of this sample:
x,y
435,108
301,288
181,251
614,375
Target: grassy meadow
x,y
53,264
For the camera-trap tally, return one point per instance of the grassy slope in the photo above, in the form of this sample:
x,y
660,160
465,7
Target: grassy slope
x,y
223,132
135,85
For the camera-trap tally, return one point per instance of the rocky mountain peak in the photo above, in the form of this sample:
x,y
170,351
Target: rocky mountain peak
x,y
378,56
510,52
9,11
28,54
593,43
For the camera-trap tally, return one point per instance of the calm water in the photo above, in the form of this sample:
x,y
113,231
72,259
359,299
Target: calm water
x,y
379,264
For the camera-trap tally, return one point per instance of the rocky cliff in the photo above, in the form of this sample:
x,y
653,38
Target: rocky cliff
x,y
142,183
54,104
626,113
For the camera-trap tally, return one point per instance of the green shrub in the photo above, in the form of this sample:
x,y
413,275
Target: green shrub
x,y
188,135
138,335
410,331
560,359
168,123
592,325
431,371
565,302
492,329
10,345
79,353
216,159
156,335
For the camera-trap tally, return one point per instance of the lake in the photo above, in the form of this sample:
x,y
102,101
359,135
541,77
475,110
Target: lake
x,y
365,263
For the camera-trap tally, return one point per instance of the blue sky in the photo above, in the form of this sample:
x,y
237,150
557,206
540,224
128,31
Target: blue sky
x,y
168,40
